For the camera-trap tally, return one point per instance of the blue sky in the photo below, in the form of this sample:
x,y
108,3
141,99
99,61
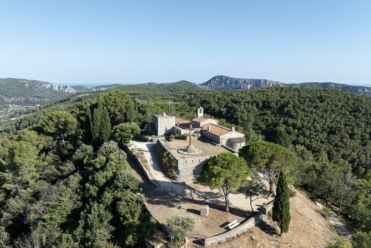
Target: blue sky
x,y
167,41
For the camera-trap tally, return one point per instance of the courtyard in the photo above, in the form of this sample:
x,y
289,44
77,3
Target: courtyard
x,y
207,148
171,198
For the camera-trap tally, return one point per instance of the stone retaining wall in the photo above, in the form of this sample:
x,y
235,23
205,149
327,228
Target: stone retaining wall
x,y
268,207
253,221
188,168
141,166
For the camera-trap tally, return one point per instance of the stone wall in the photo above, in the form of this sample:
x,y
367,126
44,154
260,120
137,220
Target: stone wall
x,y
235,146
188,168
163,123
224,138
212,137
141,166
268,207
253,221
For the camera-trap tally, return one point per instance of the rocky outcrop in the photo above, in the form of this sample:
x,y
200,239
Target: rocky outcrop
x,y
222,83
104,87
230,83
62,88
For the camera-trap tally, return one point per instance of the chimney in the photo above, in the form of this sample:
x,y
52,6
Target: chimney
x,y
163,114
233,129
208,128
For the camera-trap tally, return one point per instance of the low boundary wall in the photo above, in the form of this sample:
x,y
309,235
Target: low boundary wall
x,y
163,226
268,207
253,221
141,166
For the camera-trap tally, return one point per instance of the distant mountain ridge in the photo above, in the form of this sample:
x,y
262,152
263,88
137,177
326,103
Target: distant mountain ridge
x,y
224,83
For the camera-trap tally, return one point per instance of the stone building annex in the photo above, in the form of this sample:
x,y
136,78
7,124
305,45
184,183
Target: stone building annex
x,y
211,139
207,128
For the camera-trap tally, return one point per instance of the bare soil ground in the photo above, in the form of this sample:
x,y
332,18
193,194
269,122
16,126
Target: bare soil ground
x,y
307,229
207,148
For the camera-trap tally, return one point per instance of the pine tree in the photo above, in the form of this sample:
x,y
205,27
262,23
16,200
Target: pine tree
x,y
105,131
281,137
88,128
281,207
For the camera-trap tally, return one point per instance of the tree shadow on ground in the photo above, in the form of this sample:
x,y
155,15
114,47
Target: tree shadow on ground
x,y
168,197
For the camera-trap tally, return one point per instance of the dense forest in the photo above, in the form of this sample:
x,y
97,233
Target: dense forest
x,y
76,174
65,178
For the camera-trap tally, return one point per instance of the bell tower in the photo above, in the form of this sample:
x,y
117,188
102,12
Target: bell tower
x,y
200,112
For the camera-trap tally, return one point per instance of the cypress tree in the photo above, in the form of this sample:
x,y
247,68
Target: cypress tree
x,y
105,131
87,134
281,207
96,127
281,137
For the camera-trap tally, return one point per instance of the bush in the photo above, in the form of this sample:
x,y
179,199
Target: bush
x,y
292,193
145,138
270,213
195,134
186,134
326,212
176,136
180,226
172,136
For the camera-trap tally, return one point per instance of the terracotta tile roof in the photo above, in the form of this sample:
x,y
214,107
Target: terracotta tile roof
x,y
237,140
200,119
182,123
214,129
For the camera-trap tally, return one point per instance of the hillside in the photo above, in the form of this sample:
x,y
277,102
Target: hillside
x,y
225,83
331,121
33,115
308,228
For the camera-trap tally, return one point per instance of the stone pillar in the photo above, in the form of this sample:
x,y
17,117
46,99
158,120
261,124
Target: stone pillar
x,y
204,210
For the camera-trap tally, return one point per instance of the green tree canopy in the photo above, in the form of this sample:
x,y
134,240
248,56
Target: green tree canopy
x,y
225,172
280,137
269,159
60,125
125,132
180,226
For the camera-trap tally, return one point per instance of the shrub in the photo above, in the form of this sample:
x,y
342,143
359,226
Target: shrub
x,y
186,134
270,213
176,136
145,138
195,134
292,193
172,136
326,212
180,226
